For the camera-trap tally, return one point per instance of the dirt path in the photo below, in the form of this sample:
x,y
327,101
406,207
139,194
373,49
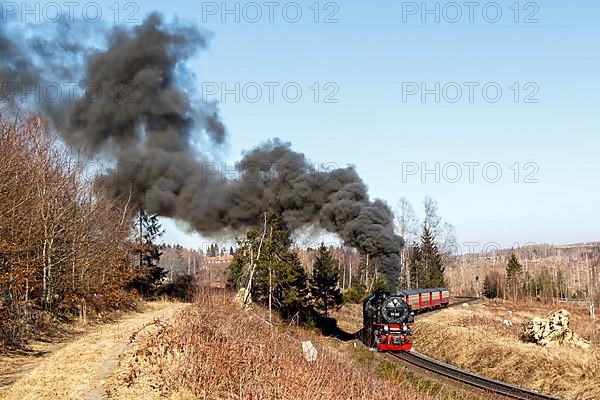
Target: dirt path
x,y
79,369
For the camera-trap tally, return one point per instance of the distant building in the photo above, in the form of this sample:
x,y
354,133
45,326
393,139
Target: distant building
x,y
213,271
211,262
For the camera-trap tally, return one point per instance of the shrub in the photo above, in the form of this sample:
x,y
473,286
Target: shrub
x,y
354,294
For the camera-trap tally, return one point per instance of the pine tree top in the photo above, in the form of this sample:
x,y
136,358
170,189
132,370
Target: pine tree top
x,y
514,267
325,266
379,286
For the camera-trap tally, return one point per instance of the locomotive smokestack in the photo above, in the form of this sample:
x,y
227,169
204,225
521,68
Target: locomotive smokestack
x,y
148,122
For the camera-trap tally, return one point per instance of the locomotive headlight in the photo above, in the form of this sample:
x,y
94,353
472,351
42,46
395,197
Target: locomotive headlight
x,y
385,328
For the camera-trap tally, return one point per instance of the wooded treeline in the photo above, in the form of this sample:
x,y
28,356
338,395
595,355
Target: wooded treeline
x,y
543,272
429,244
297,281
305,284
66,249
520,281
266,269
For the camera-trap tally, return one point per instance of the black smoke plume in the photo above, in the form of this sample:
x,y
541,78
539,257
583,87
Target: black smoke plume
x,y
146,119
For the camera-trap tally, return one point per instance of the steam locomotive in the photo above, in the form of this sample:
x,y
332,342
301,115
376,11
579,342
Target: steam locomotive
x,y
388,319
387,322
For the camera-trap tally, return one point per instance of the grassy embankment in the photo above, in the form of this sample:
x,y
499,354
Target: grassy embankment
x,y
473,337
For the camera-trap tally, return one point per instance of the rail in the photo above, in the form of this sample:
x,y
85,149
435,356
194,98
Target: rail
x,y
470,378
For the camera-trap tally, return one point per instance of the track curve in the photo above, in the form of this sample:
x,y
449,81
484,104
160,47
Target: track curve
x,y
470,378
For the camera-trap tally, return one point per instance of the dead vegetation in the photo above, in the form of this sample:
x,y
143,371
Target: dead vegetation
x,y
217,350
475,338
63,243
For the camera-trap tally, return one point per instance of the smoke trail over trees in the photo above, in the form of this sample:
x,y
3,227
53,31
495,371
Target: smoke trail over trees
x,y
162,140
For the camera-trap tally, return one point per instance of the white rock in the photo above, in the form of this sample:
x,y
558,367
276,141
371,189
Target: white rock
x,y
507,322
309,350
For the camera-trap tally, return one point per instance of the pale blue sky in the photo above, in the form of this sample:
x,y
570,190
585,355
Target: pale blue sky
x,y
371,53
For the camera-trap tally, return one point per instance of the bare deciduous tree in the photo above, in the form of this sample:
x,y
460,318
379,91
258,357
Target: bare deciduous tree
x,y
64,245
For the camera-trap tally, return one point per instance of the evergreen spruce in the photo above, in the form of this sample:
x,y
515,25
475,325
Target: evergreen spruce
x,y
425,265
278,273
489,290
148,271
295,299
324,282
432,270
379,286
514,272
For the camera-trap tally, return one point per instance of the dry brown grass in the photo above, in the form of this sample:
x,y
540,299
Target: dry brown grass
x,y
78,369
473,338
216,350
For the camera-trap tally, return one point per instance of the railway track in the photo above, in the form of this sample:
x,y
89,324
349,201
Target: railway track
x,y
470,378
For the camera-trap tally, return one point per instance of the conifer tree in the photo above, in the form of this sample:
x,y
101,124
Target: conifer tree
x,y
514,271
489,290
241,259
295,298
431,260
148,272
379,286
324,282
278,275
